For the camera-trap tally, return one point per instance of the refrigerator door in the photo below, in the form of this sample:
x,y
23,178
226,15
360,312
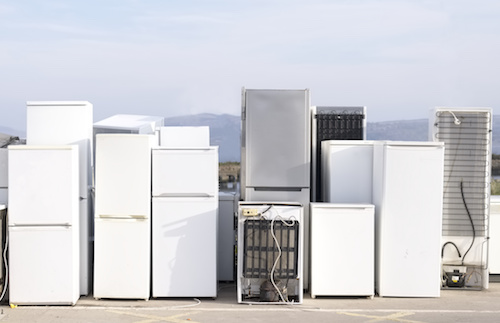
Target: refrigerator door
x,y
123,175
276,138
183,137
342,249
185,247
122,258
43,265
43,185
185,172
408,198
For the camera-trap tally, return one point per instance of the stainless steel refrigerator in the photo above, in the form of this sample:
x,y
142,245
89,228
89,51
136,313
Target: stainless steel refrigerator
x,y
43,225
122,254
68,123
276,150
184,221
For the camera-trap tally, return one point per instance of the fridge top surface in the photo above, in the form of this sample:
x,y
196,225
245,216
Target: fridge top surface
x,y
57,103
42,147
342,205
350,142
129,121
415,143
264,203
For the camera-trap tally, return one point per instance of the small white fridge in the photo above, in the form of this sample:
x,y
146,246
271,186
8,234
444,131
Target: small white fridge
x,y
342,249
408,199
43,225
122,252
184,218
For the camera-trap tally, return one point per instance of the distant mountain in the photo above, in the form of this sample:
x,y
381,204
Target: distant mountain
x,y
225,131
12,132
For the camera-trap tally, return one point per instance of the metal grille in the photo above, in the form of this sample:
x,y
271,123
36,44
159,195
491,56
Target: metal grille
x,y
336,125
261,251
466,170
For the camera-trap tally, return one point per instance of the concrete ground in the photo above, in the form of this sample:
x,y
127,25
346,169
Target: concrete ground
x,y
452,306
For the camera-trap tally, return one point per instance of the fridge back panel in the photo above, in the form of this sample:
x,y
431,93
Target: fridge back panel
x,y
43,185
63,123
185,172
276,139
123,175
4,162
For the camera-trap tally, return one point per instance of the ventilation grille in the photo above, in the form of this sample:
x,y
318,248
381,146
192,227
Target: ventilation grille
x,y
466,170
336,125
261,251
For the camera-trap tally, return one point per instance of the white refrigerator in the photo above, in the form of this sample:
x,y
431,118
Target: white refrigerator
x,y
43,225
122,216
69,123
342,249
185,204
408,199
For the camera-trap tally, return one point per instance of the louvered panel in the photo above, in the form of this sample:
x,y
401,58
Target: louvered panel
x,y
467,138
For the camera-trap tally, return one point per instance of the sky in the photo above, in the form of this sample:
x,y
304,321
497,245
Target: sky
x,y
399,58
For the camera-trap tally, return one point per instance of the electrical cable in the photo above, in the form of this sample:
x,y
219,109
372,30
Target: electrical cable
x,y
471,221
6,266
452,243
279,253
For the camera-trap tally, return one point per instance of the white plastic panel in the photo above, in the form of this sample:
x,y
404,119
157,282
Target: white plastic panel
x,y
494,244
43,185
347,167
185,137
63,123
43,265
130,123
342,249
122,258
184,247
185,172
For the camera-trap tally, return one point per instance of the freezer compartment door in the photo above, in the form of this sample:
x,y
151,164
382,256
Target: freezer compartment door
x,y
122,258
185,247
187,172
43,265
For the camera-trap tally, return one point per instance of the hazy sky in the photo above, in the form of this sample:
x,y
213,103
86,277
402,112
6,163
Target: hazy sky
x,y
166,58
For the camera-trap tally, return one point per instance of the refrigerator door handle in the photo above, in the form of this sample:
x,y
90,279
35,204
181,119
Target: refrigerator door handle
x,y
184,195
39,225
130,216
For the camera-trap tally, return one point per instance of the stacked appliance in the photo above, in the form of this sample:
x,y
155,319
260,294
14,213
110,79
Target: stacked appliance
x,y
342,249
122,252
226,235
332,123
69,123
494,244
270,253
275,150
185,204
408,199
467,136
43,225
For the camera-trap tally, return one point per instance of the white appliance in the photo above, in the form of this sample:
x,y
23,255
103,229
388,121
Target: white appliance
x,y
43,225
184,137
185,203
226,233
122,244
467,136
4,178
342,249
494,246
332,123
276,150
69,123
270,253
347,171
408,199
